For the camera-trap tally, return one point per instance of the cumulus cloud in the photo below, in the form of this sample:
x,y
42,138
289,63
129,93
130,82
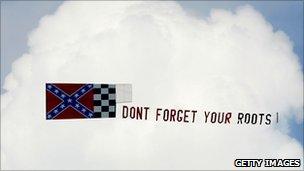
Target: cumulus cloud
x,y
230,60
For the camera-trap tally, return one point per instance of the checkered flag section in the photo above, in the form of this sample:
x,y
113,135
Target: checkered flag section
x,y
104,100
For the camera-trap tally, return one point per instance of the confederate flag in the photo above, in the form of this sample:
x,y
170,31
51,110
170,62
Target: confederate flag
x,y
75,101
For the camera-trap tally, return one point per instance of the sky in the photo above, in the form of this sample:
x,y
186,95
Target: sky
x,y
18,19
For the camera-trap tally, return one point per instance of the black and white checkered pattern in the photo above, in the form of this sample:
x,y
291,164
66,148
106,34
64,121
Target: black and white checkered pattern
x,y
104,100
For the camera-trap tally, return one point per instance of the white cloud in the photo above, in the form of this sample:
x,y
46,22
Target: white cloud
x,y
229,61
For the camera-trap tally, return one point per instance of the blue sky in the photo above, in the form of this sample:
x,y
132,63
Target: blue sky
x,y
18,18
